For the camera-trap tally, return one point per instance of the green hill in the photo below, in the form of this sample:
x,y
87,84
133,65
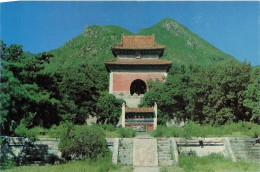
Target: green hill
x,y
184,46
29,54
93,45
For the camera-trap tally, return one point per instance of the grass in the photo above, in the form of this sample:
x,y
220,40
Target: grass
x,y
211,163
55,131
101,165
241,129
112,134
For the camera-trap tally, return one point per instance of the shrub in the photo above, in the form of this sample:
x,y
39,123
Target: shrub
x,y
22,131
81,142
38,130
108,127
255,131
7,164
127,132
56,131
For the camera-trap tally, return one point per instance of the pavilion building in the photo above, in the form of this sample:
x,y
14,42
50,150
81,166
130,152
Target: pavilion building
x,y
137,61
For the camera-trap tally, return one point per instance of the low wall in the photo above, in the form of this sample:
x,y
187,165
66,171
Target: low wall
x,y
202,146
42,151
113,145
46,150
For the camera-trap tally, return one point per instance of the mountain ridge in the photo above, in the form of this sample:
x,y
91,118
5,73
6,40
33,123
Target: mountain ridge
x,y
182,45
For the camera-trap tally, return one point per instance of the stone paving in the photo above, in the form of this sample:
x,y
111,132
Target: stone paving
x,y
145,152
146,169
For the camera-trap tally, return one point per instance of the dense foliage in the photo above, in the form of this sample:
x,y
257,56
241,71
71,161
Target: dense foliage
x,y
82,141
33,96
23,99
216,95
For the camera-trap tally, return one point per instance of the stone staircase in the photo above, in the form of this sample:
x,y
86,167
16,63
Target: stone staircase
x,y
125,152
44,151
247,149
131,101
165,156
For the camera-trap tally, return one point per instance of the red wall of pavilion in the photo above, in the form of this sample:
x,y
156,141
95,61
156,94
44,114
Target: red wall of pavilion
x,y
122,81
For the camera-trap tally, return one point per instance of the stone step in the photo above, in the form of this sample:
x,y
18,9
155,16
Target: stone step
x,y
164,152
245,146
126,148
166,163
125,151
122,149
246,153
163,142
164,158
165,155
246,150
164,146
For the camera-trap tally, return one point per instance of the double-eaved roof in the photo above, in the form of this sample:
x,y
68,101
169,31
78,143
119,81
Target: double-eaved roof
x,y
137,46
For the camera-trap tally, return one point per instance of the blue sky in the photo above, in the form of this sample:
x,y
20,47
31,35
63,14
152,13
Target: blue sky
x,y
233,27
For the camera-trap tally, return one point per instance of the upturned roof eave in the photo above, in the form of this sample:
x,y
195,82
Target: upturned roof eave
x,y
162,48
108,65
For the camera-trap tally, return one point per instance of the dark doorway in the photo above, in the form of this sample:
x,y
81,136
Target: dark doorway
x,y
138,86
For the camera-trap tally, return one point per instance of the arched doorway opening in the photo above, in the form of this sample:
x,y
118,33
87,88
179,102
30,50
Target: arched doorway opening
x,y
138,86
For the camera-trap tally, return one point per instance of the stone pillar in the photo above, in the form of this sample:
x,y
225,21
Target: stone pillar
x,y
111,83
175,151
123,115
155,116
228,150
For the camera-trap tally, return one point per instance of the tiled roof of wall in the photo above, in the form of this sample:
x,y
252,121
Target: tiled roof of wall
x,y
139,109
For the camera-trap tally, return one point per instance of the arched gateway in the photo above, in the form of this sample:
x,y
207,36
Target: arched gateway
x,y
137,60
138,86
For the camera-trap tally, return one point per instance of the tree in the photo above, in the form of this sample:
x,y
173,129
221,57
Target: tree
x,y
108,109
21,98
252,97
205,95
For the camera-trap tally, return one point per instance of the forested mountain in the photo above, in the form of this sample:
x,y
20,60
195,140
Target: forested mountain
x,y
70,83
93,45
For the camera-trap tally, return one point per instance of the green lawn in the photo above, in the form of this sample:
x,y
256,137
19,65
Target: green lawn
x,y
101,165
211,163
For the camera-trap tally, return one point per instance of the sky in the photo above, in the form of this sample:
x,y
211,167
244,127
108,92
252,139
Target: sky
x,y
233,27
